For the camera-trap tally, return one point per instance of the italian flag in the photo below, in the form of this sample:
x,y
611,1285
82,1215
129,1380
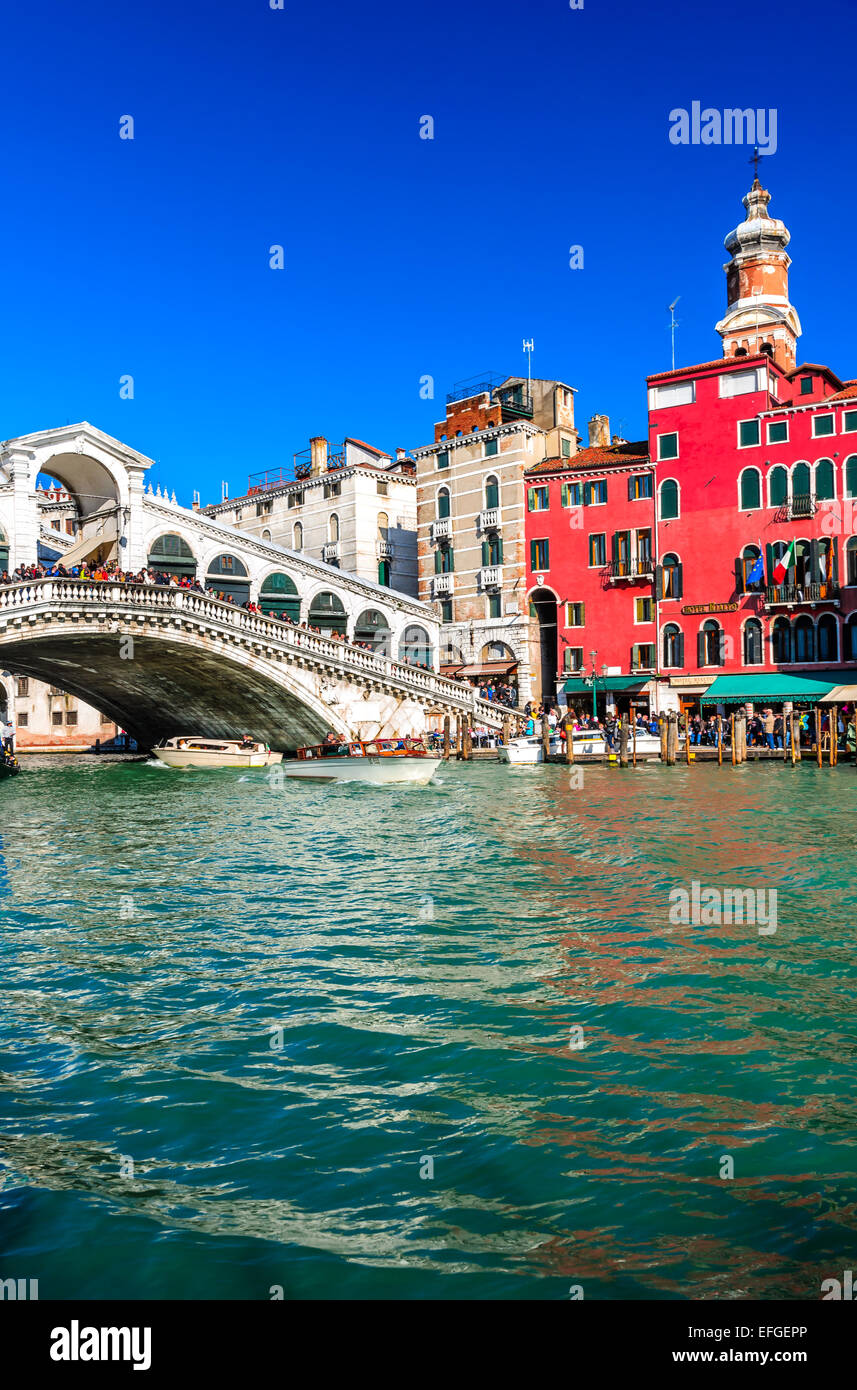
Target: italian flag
x,y
781,568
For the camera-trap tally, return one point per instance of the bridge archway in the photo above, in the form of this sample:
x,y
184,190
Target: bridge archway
x,y
171,554
279,597
228,575
327,613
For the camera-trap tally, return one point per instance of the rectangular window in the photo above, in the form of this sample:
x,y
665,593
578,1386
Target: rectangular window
x,y
778,431
383,487
71,717
23,721
806,385
597,550
23,685
296,499
822,424
748,433
643,656
539,555
446,610
572,659
849,421
332,489
565,446
574,614
644,545
639,486
538,499
682,393
56,717
742,383
642,610
570,494
490,448
495,605
668,446
595,494
227,563
444,562
443,459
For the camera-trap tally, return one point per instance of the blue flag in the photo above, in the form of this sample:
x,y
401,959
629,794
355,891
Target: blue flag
x,y
757,572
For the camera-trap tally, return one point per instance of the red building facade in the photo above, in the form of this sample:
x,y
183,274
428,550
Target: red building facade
x,y
727,542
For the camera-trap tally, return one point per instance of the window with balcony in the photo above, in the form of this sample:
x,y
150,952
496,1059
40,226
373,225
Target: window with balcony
x,y
444,560
538,499
644,547
443,503
597,550
800,482
539,555
668,445
492,551
492,493
746,566
748,433
822,425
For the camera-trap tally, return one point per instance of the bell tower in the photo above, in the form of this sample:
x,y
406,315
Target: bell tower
x,y
759,316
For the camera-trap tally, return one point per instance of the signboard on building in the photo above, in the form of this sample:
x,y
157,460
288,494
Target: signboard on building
x,y
710,608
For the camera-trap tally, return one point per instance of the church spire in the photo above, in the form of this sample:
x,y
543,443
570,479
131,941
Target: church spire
x,y
759,316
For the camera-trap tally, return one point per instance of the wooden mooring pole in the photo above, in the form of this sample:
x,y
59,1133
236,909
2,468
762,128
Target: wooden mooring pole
x,y
569,741
662,720
623,741
672,739
446,739
687,737
833,725
732,736
818,753
720,740
546,737
467,742
458,737
634,743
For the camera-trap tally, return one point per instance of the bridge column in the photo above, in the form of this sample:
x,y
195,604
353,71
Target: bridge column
x,y
23,542
132,549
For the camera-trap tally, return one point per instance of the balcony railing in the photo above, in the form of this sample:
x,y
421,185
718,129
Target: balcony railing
x,y
330,551
385,550
442,583
489,519
633,568
802,504
441,529
793,595
516,403
491,577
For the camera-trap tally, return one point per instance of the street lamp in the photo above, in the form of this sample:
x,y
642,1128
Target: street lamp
x,y
592,680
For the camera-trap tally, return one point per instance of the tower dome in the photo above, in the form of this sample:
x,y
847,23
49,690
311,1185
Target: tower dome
x,y
759,316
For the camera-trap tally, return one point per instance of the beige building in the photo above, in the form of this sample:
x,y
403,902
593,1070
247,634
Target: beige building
x,y
355,509
471,522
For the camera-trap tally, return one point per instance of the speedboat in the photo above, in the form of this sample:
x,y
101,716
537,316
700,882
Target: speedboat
x,y
529,750
215,752
379,760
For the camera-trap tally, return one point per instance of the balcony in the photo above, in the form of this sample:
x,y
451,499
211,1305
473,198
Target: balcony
x,y
330,551
489,519
795,595
515,405
442,584
491,577
441,529
635,568
802,504
385,550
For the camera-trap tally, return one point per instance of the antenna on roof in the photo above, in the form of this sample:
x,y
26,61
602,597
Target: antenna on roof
x,y
673,324
224,491
528,346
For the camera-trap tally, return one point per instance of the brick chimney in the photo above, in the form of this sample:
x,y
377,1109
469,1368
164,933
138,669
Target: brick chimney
x,y
599,432
401,455
318,455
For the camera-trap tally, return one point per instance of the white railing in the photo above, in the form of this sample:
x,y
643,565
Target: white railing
x,y
330,551
441,529
443,583
101,596
491,577
385,550
489,520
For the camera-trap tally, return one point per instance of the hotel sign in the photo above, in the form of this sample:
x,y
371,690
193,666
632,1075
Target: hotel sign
x,y
710,608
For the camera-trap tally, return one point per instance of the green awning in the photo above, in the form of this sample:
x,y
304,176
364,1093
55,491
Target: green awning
x,y
775,686
575,685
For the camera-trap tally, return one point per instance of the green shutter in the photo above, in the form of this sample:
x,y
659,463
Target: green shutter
x,y
485,560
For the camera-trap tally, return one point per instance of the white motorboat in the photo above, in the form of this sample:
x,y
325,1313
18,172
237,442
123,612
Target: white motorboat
x,y
215,752
380,761
528,750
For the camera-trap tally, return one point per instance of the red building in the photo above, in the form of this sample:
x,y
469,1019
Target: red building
x,y
725,544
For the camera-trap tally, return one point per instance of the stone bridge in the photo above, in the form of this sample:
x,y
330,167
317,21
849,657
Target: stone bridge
x,y
162,660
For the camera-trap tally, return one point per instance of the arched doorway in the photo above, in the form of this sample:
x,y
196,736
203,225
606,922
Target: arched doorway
x,y
543,607
327,614
279,598
227,575
372,630
171,554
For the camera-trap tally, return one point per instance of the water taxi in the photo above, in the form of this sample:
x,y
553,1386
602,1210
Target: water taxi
x,y
380,760
215,752
528,750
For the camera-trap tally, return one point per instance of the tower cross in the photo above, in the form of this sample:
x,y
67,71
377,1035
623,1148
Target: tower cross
x,y
755,162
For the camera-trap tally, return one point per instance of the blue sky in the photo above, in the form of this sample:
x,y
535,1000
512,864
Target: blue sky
x,y
403,257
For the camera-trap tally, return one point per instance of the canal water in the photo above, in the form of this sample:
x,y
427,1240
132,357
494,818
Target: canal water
x,y
327,1040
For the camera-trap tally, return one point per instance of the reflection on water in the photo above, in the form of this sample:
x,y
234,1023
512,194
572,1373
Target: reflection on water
x,y
320,1036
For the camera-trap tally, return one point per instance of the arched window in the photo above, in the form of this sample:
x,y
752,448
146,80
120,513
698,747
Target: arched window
x,y
778,551
778,486
371,630
278,597
800,480
227,575
442,503
749,556
171,554
781,640
824,488
669,499
266,535
826,636
851,560
803,562
671,581
753,651
333,527
673,641
383,526
711,644
851,476
4,552
803,639
327,613
851,638
750,489
492,492
298,536
415,646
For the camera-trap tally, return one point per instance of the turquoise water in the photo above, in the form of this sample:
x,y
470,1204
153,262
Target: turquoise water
x,y
330,1027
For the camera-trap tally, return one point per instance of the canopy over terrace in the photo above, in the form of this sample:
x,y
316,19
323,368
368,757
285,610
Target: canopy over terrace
x,y
767,688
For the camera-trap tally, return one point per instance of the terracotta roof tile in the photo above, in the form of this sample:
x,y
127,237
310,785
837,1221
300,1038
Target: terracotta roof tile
x,y
598,456
718,362
848,393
